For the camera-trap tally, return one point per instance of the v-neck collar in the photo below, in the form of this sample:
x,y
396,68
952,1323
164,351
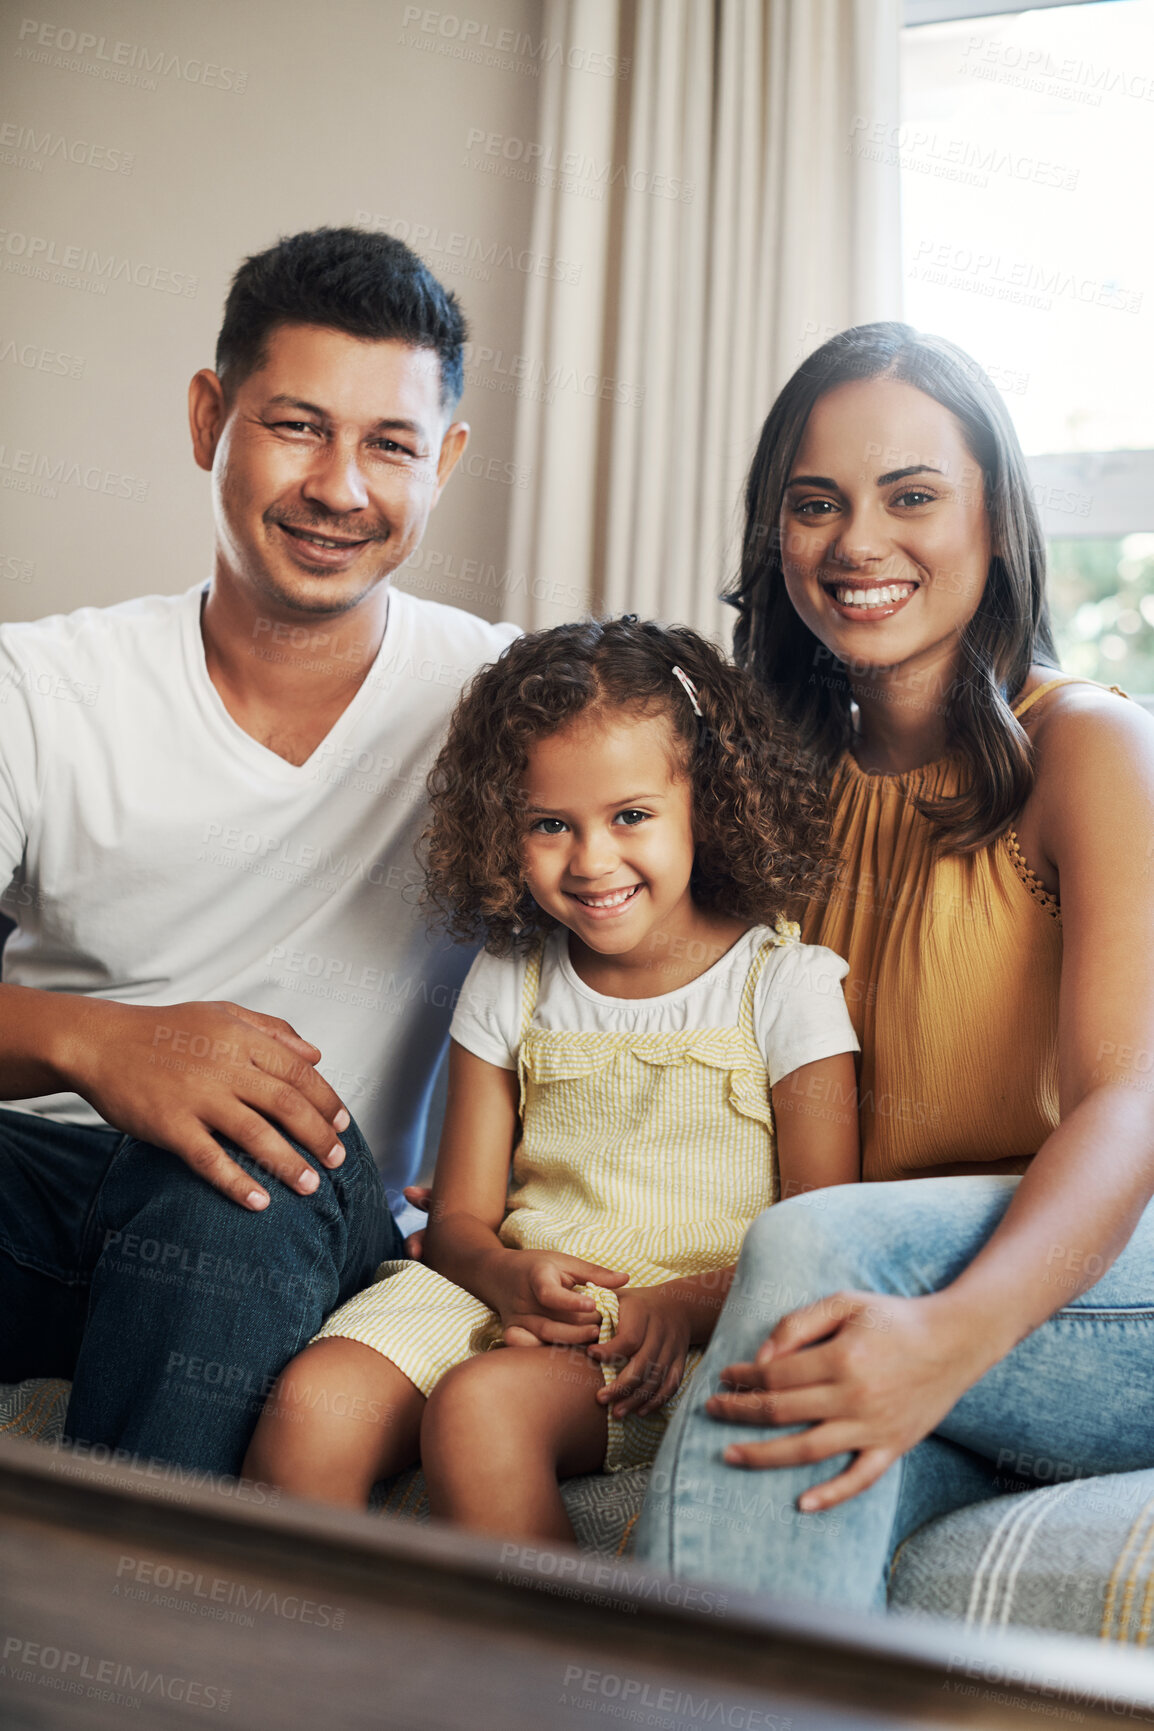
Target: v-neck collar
x,y
259,757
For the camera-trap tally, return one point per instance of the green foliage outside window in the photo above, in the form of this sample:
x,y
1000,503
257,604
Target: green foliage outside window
x,y
1102,596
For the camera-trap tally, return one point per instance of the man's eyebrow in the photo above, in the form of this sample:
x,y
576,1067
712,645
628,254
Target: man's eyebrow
x,y
882,480
393,424
282,402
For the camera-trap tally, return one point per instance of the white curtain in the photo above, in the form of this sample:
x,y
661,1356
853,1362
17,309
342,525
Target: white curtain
x,y
732,200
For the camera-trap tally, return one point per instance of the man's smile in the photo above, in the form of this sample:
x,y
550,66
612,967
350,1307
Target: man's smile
x,y
315,538
331,552
323,540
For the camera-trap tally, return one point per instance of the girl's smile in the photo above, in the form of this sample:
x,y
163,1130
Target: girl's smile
x,y
607,843
609,902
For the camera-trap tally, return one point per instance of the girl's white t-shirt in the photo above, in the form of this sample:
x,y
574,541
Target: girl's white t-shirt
x,y
799,1009
152,852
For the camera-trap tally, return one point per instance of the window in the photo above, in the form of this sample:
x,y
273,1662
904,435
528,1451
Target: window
x,y
1026,148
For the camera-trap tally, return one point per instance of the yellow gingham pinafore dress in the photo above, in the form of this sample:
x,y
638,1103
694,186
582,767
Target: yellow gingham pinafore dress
x,y
649,1153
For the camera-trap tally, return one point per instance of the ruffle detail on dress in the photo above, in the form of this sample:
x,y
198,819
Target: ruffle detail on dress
x,y
544,1058
749,1095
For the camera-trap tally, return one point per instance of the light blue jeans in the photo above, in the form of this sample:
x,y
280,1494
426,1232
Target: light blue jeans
x,y
1074,1398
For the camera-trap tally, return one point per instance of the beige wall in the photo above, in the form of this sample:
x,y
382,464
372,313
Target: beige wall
x,y
162,140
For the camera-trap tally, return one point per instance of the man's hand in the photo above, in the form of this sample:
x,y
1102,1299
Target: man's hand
x,y
650,1346
176,1075
869,1374
538,1304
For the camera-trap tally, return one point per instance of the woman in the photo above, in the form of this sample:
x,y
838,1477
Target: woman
x,y
883,1346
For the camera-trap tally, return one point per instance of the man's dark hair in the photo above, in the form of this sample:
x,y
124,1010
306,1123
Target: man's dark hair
x,y
348,279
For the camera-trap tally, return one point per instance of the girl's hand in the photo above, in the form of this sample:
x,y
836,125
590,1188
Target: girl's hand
x,y
651,1343
869,1374
537,1302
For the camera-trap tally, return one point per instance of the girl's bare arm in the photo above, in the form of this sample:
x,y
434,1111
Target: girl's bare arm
x,y
815,1113
468,1206
472,1174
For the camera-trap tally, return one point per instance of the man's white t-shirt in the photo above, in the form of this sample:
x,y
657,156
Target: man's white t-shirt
x,y
154,853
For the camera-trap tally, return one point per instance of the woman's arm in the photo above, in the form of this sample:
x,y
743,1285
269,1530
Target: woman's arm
x,y
878,1383
1082,1195
468,1205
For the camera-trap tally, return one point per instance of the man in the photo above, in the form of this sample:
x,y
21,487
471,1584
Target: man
x,y
208,809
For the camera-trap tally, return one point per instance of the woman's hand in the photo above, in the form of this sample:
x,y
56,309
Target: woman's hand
x,y
870,1374
653,1337
536,1300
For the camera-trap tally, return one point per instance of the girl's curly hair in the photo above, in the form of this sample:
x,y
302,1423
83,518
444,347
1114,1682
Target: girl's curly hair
x,y
759,823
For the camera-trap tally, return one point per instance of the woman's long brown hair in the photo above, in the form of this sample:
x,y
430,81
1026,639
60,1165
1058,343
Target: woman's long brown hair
x,y
1009,632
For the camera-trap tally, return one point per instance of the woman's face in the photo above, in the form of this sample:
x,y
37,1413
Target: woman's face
x,y
885,541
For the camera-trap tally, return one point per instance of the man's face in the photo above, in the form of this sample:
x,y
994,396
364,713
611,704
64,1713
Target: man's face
x,y
326,463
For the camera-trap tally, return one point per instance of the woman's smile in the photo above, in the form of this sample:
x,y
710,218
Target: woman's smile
x,y
868,601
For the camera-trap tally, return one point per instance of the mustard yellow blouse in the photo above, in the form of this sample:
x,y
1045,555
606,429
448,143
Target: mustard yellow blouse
x,y
954,964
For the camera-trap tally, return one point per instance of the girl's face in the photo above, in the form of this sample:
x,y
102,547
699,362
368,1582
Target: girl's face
x,y
607,842
885,537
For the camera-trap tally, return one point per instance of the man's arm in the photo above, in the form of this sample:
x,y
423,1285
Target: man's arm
x,y
177,1076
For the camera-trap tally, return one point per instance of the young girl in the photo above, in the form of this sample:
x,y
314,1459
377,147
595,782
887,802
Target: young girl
x,y
618,815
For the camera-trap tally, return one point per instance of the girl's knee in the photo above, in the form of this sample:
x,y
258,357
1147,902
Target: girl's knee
x,y
473,1387
299,1383
331,1379
488,1393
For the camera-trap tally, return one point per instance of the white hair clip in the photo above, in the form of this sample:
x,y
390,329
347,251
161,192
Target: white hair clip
x,y
690,692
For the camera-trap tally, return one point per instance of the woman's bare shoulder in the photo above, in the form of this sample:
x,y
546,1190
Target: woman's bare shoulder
x,y
1094,766
1084,716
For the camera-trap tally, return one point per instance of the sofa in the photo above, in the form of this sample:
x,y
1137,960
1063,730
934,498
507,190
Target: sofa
x,y
1075,1557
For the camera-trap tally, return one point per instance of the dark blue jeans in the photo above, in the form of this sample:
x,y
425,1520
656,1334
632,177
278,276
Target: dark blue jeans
x,y
172,1309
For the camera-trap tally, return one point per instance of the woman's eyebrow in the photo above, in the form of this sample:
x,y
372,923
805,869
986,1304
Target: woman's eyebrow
x,y
882,480
900,474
